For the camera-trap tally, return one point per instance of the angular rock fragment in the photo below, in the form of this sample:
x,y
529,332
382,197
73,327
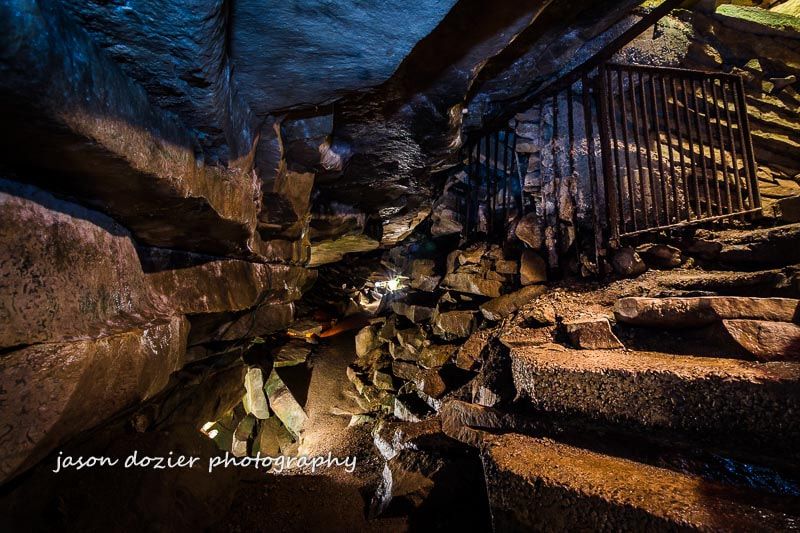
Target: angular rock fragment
x,y
529,231
270,435
393,437
415,313
284,405
366,341
454,324
592,334
508,304
532,268
422,275
660,256
767,341
506,266
473,284
382,380
412,339
435,356
410,408
409,476
470,353
463,421
406,371
305,329
388,331
255,402
294,352
241,436
627,263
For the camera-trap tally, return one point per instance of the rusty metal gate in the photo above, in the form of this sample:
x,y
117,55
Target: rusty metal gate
x,y
676,148
620,151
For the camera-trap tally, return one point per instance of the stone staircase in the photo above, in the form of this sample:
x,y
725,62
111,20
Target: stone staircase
x,y
651,403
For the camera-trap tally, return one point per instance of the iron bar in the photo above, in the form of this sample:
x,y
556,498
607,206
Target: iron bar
x,y
628,170
747,142
639,165
648,151
711,147
609,179
506,175
701,148
612,121
736,175
556,172
723,152
685,93
470,173
587,113
689,223
668,127
661,173
679,137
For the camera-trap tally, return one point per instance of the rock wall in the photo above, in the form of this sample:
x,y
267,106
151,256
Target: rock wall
x,y
127,253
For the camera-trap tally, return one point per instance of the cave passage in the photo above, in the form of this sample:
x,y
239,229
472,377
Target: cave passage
x,y
365,266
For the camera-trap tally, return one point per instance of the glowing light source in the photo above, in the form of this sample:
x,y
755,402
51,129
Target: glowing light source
x,y
207,426
391,285
213,433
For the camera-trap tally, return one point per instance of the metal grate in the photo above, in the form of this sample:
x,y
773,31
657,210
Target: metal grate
x,y
494,190
676,148
623,150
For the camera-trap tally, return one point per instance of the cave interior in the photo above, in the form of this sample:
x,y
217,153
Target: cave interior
x,y
323,265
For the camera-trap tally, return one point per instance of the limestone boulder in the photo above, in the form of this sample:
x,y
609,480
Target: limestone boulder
x,y
473,284
284,404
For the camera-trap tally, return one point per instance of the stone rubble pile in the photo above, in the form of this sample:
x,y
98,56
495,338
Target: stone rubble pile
x,y
269,419
409,360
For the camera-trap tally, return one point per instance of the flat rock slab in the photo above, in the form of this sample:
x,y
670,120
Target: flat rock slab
x,y
542,485
768,341
702,311
725,401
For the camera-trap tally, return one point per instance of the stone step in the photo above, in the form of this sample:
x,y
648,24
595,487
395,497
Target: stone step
x,y
773,283
702,311
755,248
541,485
733,404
